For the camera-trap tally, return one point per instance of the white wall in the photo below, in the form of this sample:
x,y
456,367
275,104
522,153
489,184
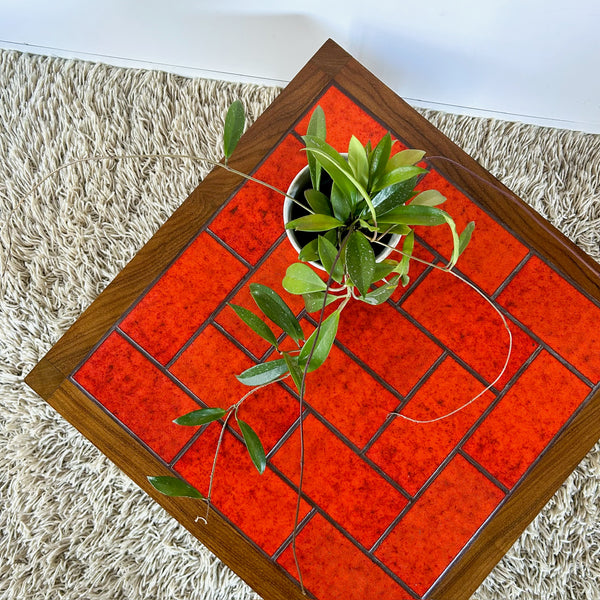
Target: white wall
x,y
531,60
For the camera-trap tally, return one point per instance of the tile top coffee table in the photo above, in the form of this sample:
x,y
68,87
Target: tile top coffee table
x,y
391,509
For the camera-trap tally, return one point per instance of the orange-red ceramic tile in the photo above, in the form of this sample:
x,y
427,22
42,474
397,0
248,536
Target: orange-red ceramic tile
x,y
145,400
559,314
208,368
493,252
410,452
261,506
526,419
388,343
461,319
252,220
183,298
440,523
333,568
270,273
345,119
355,404
340,482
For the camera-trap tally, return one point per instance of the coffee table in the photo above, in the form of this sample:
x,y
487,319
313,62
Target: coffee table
x,y
391,509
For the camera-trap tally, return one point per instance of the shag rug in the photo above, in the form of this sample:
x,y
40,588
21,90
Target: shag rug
x,y
72,526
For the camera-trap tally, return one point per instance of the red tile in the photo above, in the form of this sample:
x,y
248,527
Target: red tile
x,y
559,314
386,341
183,298
335,569
493,252
208,368
411,452
252,220
439,525
461,319
345,119
526,419
261,506
340,482
131,388
270,273
355,404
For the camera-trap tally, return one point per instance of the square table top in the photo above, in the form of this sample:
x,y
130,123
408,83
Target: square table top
x,y
391,508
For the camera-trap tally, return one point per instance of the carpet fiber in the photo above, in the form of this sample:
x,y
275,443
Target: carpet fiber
x,y
72,527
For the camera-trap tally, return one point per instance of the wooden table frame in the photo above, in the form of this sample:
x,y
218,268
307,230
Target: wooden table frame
x,y
50,378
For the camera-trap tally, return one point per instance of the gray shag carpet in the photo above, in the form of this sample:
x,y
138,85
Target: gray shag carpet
x,y
72,527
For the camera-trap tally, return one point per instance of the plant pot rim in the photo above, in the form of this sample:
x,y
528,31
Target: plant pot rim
x,y
293,189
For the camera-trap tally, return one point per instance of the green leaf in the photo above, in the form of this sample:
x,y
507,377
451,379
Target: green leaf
x,y
318,129
318,201
294,369
465,237
405,158
384,268
428,198
263,373
201,416
360,261
314,301
314,223
234,127
407,250
328,253
173,486
340,204
414,215
255,323
310,251
393,196
396,176
273,306
254,445
358,161
301,279
379,158
322,343
382,293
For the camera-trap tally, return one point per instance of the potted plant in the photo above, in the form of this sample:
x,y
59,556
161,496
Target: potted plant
x,y
340,212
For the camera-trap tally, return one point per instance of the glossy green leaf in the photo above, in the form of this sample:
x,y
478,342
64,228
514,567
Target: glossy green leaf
x,y
404,158
382,293
254,445
301,279
393,196
294,369
384,268
173,486
313,302
396,176
310,251
358,161
234,127
360,261
328,254
322,343
379,158
255,323
407,250
428,198
314,223
318,129
263,373
414,215
201,416
274,307
399,229
319,202
340,204
465,237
